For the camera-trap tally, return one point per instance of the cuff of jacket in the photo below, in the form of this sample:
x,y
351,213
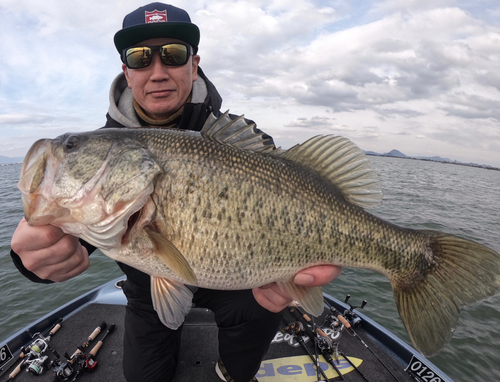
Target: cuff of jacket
x,y
30,275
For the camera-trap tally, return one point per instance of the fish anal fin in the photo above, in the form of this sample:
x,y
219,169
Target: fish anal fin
x,y
344,164
172,256
461,272
310,298
171,300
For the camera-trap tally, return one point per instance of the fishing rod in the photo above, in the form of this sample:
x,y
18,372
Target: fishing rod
x,y
64,370
337,350
296,329
351,331
325,343
32,355
88,362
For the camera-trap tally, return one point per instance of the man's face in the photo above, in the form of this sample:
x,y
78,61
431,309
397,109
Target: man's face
x,y
159,89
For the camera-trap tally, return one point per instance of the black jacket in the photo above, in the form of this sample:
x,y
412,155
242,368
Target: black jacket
x,y
205,100
192,118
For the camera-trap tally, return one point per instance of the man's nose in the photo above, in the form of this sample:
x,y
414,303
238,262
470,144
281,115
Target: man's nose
x,y
157,66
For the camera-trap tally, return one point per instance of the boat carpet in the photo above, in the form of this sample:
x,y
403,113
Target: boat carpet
x,y
199,352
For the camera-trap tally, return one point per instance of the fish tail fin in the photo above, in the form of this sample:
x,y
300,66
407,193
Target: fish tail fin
x,y
462,272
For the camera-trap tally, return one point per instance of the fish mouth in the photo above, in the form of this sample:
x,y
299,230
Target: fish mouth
x,y
37,209
136,222
131,223
87,215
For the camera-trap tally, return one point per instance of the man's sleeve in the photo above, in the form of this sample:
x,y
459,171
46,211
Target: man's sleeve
x,y
30,275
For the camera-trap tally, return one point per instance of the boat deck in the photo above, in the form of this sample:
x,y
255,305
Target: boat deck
x,y
199,352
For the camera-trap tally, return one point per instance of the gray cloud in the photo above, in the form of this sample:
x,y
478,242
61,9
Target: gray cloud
x,y
387,72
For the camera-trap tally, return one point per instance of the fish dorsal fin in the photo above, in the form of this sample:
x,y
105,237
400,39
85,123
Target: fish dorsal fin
x,y
171,300
237,133
172,257
342,163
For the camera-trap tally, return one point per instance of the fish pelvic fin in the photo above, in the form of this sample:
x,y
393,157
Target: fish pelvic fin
x,y
310,298
172,256
171,300
237,132
341,162
462,273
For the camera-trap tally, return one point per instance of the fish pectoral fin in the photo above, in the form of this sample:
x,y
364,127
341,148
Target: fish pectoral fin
x,y
171,300
172,256
310,298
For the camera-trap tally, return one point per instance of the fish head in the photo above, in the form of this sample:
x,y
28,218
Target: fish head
x,y
88,184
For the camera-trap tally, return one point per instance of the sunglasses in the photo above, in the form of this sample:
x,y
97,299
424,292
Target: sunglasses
x,y
172,54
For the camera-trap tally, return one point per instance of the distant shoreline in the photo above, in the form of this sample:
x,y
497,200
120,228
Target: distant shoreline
x,y
486,167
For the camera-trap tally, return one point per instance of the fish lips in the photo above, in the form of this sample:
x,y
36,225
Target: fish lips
x,y
88,214
32,176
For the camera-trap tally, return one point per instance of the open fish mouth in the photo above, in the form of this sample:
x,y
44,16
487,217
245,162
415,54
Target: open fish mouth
x,y
98,218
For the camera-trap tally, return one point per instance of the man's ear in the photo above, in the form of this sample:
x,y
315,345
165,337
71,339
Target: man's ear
x,y
196,62
125,70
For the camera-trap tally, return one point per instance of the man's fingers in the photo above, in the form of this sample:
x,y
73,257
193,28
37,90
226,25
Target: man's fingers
x,y
28,238
271,300
318,275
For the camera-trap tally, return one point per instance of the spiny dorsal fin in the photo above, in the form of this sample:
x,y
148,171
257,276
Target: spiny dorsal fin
x,y
237,133
343,163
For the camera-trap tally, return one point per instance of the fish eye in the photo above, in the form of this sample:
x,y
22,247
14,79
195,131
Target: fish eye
x,y
71,142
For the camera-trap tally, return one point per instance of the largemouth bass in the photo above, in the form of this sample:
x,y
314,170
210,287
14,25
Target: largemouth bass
x,y
224,209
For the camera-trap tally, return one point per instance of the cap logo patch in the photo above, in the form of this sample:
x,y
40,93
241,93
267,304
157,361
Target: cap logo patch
x,y
156,17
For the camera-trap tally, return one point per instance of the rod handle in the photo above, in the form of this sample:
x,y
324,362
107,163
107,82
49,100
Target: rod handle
x,y
55,329
72,359
17,370
97,330
344,321
96,348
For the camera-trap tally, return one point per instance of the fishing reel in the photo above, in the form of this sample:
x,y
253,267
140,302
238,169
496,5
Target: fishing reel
x,y
37,347
334,323
352,316
38,365
296,328
62,370
324,343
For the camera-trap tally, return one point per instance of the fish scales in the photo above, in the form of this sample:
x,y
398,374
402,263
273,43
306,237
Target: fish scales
x,y
245,211
224,209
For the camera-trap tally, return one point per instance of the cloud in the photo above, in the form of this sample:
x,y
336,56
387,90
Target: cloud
x,y
18,119
412,75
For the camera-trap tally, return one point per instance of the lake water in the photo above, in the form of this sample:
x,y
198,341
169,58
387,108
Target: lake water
x,y
460,200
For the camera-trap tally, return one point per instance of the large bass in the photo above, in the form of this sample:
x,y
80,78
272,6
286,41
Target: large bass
x,y
224,209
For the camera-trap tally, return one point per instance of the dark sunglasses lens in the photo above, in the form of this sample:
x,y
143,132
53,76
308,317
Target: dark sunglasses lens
x,y
174,54
139,57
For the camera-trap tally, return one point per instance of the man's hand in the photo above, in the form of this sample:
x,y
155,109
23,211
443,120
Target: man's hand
x,y
48,252
272,298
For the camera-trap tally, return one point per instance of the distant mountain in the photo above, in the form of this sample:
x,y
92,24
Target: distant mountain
x,y
4,160
396,153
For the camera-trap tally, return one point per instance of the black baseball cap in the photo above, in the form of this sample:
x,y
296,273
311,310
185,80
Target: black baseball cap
x,y
157,20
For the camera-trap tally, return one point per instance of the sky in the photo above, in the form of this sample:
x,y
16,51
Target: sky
x,y
420,76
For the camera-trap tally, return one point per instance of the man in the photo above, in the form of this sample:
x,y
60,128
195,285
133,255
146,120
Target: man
x,y
163,86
